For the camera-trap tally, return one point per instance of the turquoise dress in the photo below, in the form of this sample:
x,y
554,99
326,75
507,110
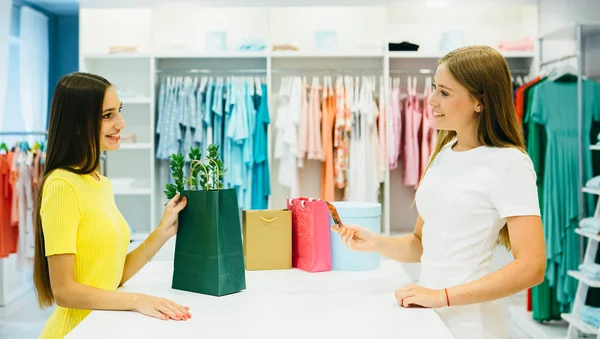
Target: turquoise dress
x,y
261,185
555,106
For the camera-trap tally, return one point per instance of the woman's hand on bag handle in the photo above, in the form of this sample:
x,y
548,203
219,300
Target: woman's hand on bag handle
x,y
357,238
160,308
169,221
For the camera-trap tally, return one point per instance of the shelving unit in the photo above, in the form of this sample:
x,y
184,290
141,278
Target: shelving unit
x,y
580,34
576,325
150,175
167,44
131,168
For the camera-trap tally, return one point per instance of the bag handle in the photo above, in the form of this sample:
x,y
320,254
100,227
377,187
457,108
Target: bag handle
x,y
194,163
268,220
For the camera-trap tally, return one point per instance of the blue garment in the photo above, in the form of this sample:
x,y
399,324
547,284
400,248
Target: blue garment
x,y
252,44
217,108
238,132
590,225
590,315
261,185
238,117
591,270
248,149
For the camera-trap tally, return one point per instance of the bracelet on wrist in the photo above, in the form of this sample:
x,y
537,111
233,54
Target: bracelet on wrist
x,y
447,299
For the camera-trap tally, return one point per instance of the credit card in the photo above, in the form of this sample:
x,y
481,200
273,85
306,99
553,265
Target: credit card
x,y
334,214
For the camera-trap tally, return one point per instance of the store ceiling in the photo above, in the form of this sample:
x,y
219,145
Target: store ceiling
x,y
62,7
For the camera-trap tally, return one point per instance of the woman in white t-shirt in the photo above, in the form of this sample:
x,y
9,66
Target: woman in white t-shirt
x,y
479,189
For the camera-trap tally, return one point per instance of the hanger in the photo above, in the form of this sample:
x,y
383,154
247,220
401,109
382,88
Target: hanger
x,y
3,147
564,73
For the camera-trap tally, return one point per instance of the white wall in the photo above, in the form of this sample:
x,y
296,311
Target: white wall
x,y
164,28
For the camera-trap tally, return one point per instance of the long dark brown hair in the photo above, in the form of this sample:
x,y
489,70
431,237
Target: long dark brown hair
x,y
483,71
74,145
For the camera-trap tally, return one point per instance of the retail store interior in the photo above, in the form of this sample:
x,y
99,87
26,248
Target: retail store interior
x,y
168,58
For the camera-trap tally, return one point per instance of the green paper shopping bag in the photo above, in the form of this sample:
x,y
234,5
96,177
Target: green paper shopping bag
x,y
209,256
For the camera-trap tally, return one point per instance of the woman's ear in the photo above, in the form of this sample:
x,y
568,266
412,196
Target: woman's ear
x,y
478,108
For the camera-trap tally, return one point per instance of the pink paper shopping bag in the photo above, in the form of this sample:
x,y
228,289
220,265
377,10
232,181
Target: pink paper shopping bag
x,y
311,247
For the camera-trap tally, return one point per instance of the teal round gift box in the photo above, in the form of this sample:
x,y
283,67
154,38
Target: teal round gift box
x,y
365,214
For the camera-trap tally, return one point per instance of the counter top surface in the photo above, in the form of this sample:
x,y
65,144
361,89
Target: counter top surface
x,y
276,304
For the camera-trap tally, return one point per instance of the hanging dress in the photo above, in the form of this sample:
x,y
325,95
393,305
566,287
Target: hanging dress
x,y
555,106
342,128
429,138
412,115
396,143
329,111
315,147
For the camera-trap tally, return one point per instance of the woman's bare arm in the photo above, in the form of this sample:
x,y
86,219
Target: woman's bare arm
x,y
69,293
407,248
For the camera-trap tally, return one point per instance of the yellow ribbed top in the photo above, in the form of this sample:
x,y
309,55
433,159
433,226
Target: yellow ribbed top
x,y
79,216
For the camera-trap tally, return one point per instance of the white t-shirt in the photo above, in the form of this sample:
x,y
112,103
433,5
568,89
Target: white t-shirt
x,y
464,199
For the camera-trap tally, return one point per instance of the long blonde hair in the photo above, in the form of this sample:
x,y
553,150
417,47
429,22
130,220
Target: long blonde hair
x,y
485,74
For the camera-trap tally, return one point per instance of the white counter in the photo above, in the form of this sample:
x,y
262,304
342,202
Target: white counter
x,y
275,304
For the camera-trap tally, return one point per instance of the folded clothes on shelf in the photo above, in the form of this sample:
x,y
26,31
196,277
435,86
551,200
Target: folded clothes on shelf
x,y
591,270
123,49
590,315
252,44
590,225
525,44
285,47
593,182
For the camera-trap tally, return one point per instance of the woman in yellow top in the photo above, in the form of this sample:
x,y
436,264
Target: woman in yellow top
x,y
81,237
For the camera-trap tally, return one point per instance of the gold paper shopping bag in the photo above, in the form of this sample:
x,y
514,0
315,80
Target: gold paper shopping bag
x,y
267,238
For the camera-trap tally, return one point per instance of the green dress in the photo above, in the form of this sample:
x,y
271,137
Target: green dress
x,y
545,307
554,105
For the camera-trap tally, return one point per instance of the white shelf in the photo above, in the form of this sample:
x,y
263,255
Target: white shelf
x,y
136,145
136,100
108,56
215,55
580,325
433,55
414,55
591,190
584,279
595,237
327,54
595,147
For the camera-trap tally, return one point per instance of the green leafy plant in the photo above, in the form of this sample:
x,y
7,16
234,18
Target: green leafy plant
x,y
201,176
176,165
216,167
194,155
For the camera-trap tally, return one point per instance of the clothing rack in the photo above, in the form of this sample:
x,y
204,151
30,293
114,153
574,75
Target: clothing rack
x,y
422,71
325,70
553,61
211,71
24,133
